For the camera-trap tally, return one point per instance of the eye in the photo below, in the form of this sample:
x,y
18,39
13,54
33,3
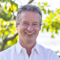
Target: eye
x,y
25,23
35,23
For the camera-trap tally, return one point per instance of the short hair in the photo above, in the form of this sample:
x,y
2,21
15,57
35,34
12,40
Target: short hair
x,y
32,8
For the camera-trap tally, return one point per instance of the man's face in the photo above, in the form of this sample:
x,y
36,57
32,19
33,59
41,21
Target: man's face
x,y
29,27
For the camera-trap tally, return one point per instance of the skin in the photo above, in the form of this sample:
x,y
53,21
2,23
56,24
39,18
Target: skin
x,y
28,29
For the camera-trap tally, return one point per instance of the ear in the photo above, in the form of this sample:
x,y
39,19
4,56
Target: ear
x,y
16,26
39,28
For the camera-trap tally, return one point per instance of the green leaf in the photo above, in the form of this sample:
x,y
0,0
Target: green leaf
x,y
42,30
15,7
39,3
45,4
5,8
58,11
11,31
6,32
56,31
44,11
6,16
5,0
9,42
52,36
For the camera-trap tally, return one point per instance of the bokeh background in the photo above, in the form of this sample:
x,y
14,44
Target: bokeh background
x,y
49,36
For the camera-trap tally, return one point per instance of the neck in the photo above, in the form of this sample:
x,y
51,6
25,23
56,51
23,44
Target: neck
x,y
28,47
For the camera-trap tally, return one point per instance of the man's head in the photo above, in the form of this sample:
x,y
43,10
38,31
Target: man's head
x,y
32,8
28,23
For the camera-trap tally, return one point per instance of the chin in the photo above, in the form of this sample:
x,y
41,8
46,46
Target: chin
x,y
30,40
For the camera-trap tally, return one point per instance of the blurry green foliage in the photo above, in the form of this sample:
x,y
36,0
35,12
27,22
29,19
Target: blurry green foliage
x,y
7,23
6,16
52,21
50,24
10,7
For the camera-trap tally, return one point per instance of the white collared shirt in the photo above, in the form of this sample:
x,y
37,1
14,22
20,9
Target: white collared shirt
x,y
17,52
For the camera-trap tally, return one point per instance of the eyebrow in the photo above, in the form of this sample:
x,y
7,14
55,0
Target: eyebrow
x,y
35,22
24,21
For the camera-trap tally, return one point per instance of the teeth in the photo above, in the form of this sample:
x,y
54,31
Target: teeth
x,y
29,33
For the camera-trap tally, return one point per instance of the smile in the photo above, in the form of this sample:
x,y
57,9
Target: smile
x,y
29,33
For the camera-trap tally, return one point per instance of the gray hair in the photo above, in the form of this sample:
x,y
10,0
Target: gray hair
x,y
32,8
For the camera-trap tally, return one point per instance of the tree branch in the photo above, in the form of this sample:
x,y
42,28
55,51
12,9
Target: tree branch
x,y
30,1
9,22
7,39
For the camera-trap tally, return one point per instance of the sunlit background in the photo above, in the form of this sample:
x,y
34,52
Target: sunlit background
x,y
44,38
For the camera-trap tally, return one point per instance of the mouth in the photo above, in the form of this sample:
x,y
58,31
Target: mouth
x,y
29,33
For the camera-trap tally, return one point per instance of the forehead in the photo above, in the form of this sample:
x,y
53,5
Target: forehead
x,y
29,15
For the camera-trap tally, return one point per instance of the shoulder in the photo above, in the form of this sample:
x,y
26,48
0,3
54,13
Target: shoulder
x,y
44,49
48,53
7,52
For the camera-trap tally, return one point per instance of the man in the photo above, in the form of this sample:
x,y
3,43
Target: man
x,y
28,25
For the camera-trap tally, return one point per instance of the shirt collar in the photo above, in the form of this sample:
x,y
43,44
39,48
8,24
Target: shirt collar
x,y
19,48
36,47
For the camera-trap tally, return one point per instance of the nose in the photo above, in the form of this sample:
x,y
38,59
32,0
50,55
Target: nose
x,y
30,28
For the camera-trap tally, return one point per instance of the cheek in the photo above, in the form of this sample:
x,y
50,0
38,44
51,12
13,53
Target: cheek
x,y
22,28
37,29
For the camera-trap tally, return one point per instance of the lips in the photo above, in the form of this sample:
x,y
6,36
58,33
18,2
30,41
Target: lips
x,y
28,33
